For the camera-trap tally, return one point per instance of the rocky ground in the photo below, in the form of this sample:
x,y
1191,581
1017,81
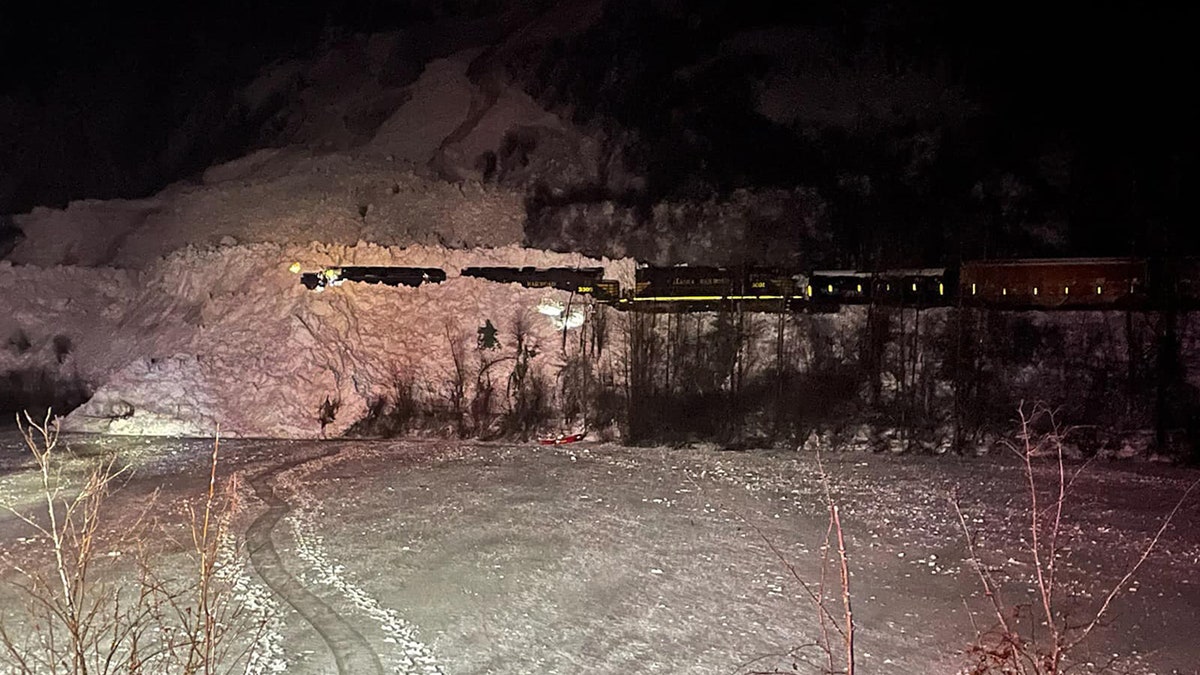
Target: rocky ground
x,y
429,557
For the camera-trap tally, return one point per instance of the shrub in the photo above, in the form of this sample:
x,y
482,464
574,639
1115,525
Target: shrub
x,y
88,613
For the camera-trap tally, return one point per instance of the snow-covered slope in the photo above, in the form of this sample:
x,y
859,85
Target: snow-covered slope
x,y
179,309
278,196
228,336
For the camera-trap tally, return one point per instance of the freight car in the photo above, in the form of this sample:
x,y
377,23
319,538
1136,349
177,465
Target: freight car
x,y
390,276
1055,283
582,280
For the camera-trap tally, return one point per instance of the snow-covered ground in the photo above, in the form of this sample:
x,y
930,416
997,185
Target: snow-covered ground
x,y
468,558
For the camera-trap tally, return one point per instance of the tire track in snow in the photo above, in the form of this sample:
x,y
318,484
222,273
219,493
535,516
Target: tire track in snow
x,y
351,651
264,654
411,656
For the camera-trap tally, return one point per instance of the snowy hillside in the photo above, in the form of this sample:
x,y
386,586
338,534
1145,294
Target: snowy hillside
x,y
541,135
228,337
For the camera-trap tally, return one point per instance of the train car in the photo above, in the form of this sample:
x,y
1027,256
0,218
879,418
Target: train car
x,y
394,276
924,287
582,280
1054,283
682,288
1175,283
829,289
685,283
390,276
772,283
688,288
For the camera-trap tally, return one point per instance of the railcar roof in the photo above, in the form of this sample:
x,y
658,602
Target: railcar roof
x,y
1051,261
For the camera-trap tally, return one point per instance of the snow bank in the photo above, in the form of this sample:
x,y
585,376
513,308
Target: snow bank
x,y
440,101
64,318
283,197
230,338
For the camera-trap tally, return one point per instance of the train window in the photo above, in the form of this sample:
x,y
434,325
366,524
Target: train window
x,y
1003,291
914,286
808,290
972,289
941,288
1099,290
859,288
1035,290
1066,290
830,288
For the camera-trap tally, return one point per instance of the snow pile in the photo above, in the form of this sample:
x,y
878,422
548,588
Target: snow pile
x,y
441,100
180,308
230,338
63,319
276,196
482,132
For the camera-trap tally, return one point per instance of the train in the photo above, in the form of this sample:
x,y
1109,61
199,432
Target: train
x,y
1023,284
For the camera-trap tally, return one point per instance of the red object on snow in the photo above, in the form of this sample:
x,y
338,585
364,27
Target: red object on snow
x,y
562,439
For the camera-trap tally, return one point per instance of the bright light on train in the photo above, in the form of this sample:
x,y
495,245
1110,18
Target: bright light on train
x,y
550,307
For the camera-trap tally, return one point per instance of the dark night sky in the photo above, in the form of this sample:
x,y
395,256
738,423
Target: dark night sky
x,y
1111,82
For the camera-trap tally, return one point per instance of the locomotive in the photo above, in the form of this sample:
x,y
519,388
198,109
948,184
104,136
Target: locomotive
x,y
1024,284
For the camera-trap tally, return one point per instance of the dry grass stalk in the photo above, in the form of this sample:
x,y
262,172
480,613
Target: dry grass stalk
x,y
839,658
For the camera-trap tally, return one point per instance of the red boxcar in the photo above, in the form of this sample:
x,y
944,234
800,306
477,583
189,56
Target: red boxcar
x,y
1054,283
